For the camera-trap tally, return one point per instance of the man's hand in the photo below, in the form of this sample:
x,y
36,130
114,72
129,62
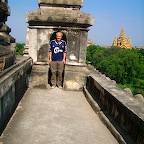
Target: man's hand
x,y
50,61
50,57
64,61
64,58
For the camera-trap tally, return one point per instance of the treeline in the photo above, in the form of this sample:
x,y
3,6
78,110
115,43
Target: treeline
x,y
124,66
20,48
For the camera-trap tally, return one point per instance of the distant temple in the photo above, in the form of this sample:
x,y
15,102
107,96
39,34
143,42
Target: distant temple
x,y
122,41
90,42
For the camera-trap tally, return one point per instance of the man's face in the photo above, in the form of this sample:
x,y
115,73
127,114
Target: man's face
x,y
58,37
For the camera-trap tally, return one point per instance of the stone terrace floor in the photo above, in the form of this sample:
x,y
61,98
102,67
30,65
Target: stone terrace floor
x,y
55,117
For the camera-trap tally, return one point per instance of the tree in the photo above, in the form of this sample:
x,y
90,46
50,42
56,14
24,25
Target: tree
x,y
122,65
20,48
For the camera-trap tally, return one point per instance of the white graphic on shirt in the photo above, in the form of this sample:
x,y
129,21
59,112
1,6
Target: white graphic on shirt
x,y
57,50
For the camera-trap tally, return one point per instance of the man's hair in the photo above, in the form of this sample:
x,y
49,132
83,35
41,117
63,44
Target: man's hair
x,y
59,33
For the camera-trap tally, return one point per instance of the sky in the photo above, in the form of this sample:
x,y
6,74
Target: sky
x,y
110,16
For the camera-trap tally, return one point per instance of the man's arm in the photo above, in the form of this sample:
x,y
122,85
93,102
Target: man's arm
x,y
50,57
50,54
64,54
64,58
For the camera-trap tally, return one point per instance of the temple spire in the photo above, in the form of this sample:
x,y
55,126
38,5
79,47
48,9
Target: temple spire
x,y
122,41
122,34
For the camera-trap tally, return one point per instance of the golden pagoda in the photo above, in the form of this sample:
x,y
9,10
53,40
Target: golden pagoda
x,y
122,41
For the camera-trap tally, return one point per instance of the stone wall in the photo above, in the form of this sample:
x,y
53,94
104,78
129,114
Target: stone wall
x,y
14,70
7,42
13,84
118,106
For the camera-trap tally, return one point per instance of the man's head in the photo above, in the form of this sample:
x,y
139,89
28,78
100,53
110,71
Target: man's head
x,y
59,36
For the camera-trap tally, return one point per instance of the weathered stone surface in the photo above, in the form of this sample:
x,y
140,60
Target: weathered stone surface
x,y
6,39
127,90
64,17
61,2
7,57
139,97
105,119
13,83
55,117
39,77
4,51
8,102
4,10
7,53
3,7
126,110
5,28
75,76
12,40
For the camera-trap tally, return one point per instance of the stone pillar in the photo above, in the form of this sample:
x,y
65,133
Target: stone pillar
x,y
65,16
7,42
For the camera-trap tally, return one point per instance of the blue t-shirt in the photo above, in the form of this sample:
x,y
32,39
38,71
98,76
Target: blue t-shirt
x,y
57,49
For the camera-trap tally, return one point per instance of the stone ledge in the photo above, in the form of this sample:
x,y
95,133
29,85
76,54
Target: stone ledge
x,y
73,63
59,27
48,17
13,84
104,119
62,2
127,111
126,100
12,74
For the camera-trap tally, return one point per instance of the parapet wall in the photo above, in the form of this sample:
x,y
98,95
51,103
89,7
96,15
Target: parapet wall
x,y
13,84
7,42
123,108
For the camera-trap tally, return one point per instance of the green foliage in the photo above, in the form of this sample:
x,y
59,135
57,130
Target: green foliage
x,y
127,86
135,90
142,51
20,48
94,54
122,65
111,51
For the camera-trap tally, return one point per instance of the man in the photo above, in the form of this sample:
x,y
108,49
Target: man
x,y
57,59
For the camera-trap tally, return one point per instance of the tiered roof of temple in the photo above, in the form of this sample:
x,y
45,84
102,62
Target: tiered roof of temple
x,y
122,41
59,12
